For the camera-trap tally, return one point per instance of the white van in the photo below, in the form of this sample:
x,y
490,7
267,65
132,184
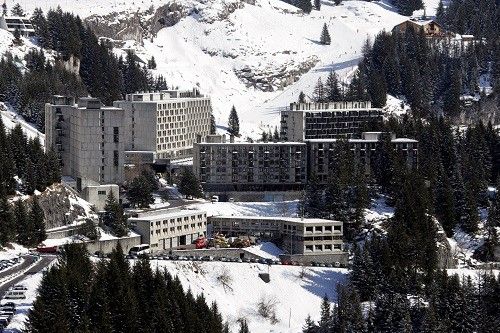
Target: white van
x,y
215,198
139,249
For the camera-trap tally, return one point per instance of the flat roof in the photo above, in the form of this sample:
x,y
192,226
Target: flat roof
x,y
277,218
400,140
337,110
282,143
165,213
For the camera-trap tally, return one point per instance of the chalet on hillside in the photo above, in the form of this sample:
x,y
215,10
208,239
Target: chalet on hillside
x,y
21,24
430,27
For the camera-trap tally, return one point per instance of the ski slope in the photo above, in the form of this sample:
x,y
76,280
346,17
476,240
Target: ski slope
x,y
193,52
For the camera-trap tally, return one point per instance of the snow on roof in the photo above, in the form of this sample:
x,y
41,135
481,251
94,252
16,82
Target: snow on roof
x,y
253,143
165,213
278,218
399,140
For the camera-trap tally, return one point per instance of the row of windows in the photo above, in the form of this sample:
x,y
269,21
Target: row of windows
x,y
322,247
179,228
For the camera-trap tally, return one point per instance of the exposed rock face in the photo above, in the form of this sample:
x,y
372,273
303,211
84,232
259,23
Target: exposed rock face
x,y
444,252
120,27
59,205
275,78
167,16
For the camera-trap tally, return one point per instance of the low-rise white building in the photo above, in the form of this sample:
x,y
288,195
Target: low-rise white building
x,y
299,236
166,229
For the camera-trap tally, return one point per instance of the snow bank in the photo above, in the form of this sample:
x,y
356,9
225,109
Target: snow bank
x,y
285,208
265,250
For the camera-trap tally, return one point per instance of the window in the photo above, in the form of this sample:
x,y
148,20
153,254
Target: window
x,y
116,134
101,192
337,228
115,158
309,248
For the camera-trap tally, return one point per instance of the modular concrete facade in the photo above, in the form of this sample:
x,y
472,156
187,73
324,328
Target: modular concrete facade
x,y
322,153
166,122
89,139
298,235
235,170
332,120
166,229
244,166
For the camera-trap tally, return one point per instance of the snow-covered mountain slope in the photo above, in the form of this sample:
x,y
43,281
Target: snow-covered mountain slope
x,y
295,291
255,54
261,48
256,57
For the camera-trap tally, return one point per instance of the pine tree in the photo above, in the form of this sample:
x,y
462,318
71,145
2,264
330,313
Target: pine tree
x,y
319,95
189,184
333,93
325,36
440,13
213,128
243,327
234,122
310,326
17,37
152,63
22,224
470,220
305,5
17,10
302,97
140,191
276,134
113,217
37,221
7,225
324,322
317,4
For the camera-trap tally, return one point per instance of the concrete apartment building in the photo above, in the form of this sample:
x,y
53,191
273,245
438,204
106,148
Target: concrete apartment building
x,y
244,166
165,124
299,236
229,167
89,139
321,152
166,229
303,121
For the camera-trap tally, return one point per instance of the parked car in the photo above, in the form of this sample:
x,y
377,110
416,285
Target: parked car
x,y
215,198
231,200
15,294
19,287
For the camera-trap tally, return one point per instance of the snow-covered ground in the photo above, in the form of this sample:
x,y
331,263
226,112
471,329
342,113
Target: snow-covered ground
x,y
23,306
11,119
285,208
265,250
12,251
268,39
295,297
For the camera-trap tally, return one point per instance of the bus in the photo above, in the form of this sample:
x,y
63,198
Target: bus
x,y
139,249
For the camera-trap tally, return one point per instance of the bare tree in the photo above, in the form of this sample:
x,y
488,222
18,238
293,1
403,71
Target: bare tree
x,y
266,307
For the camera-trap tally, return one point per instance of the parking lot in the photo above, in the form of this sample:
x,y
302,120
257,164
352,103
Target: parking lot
x,y
233,260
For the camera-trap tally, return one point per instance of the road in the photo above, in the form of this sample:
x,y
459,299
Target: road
x,y
28,260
